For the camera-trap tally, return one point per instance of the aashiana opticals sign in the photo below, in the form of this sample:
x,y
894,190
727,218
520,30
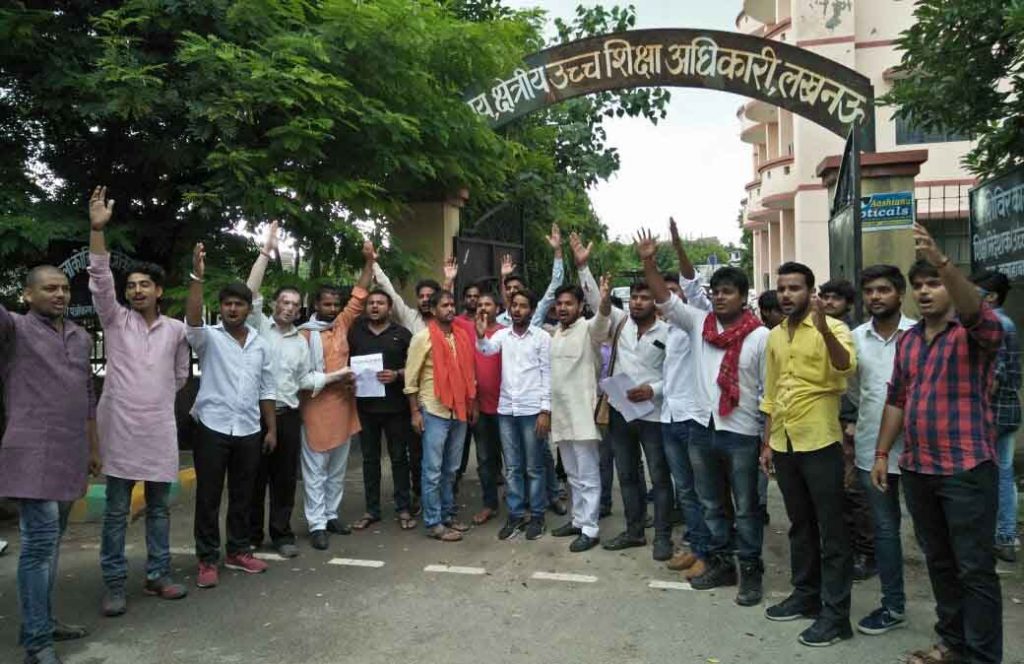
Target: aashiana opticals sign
x,y
997,225
887,212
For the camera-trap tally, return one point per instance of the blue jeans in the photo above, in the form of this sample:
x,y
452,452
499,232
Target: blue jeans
x,y
115,522
676,438
1006,520
712,454
525,472
886,515
41,523
442,453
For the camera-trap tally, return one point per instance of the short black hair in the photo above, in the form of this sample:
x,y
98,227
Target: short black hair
x,y
382,292
326,289
993,282
616,301
671,277
513,277
768,301
491,295
731,276
36,273
572,289
792,267
841,287
639,285
438,295
465,289
529,295
287,289
155,273
235,289
426,283
922,269
890,273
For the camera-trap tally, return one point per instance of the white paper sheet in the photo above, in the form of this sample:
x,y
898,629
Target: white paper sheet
x,y
616,387
365,367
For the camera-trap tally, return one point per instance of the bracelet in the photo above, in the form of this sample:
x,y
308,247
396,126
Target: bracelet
x,y
193,277
879,454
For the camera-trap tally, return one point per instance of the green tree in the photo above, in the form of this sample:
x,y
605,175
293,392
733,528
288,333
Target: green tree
x,y
963,71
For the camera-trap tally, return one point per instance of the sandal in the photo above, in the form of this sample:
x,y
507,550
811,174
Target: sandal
x,y
442,534
365,521
457,526
483,516
937,654
405,521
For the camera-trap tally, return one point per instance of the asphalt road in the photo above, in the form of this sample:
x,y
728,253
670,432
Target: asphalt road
x,y
485,602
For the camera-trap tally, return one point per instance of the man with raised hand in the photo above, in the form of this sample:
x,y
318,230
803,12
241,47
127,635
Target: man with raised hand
x,y
940,398
237,388
328,404
279,469
49,445
147,363
875,342
513,282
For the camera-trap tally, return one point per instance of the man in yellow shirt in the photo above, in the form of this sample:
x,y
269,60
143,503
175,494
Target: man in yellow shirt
x,y
809,357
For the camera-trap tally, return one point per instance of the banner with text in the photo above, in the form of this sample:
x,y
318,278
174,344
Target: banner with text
x,y
997,225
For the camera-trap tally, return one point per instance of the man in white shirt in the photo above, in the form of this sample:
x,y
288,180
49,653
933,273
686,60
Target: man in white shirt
x,y
524,411
639,348
875,343
727,348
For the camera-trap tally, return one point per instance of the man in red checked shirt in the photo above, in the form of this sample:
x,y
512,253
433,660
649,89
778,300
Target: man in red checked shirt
x,y
939,398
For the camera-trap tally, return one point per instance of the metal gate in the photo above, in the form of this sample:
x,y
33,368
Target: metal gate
x,y
482,243
844,227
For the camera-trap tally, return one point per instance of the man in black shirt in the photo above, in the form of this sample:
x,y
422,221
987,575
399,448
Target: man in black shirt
x,y
375,333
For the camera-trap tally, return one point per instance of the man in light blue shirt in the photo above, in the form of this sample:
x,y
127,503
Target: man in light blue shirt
x,y
875,343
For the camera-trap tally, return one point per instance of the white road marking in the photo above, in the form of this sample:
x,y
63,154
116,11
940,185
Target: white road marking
x,y
266,555
559,576
669,585
182,550
355,562
454,569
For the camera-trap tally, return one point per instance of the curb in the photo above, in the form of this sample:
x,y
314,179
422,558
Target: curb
x,y
89,509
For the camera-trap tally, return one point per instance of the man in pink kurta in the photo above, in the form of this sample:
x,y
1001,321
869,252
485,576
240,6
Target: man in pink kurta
x,y
147,363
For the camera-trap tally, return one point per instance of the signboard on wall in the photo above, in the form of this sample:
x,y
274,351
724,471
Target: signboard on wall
x,y
887,212
74,267
997,225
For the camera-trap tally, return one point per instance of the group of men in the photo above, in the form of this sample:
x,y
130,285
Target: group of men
x,y
696,390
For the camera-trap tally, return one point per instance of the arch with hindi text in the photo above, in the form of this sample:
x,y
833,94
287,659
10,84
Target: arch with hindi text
x,y
823,91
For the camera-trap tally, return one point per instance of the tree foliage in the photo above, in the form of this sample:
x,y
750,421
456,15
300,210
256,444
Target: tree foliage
x,y
963,71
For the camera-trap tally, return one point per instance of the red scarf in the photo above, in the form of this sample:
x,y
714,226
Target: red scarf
x,y
731,340
454,377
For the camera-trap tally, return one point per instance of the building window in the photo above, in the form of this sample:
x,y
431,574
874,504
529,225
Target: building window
x,y
907,133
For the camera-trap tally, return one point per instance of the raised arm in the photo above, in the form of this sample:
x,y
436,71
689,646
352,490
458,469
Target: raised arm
x,y
100,211
962,292
647,249
686,270
259,268
557,278
581,256
607,318
403,313
194,303
451,272
355,305
839,345
101,279
486,346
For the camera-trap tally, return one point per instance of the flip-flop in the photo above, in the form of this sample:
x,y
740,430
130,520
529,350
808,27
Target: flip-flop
x,y
365,521
442,534
483,516
406,521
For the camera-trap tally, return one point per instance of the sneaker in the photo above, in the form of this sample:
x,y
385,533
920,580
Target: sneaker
x,y
750,591
720,572
792,608
245,562
681,561
566,530
864,567
825,633
207,576
662,549
535,528
114,602
880,621
165,587
695,570
513,525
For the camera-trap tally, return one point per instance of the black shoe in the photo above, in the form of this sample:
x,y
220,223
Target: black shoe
x,y
45,656
825,632
863,567
583,543
338,528
605,512
792,608
624,541
558,506
287,549
535,528
566,530
750,583
513,525
1006,552
721,571
662,548
318,540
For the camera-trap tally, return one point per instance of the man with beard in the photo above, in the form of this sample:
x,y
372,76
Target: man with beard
x,y
375,333
939,397
328,404
875,342
49,445
441,387
639,341
147,363
237,388
809,357
280,468
513,282
470,301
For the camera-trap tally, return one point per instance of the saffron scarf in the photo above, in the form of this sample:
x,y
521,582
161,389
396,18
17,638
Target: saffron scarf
x,y
454,376
731,341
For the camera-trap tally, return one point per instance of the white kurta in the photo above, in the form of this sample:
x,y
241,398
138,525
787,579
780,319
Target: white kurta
x,y
575,365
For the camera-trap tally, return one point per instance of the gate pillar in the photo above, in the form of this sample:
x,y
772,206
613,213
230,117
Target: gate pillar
x,y
427,230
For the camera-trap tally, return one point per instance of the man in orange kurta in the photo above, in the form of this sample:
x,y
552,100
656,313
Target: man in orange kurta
x,y
328,405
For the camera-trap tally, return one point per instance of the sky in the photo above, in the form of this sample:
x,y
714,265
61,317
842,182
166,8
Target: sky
x,y
691,165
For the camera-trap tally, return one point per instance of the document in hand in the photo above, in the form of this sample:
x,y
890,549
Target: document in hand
x,y
365,367
616,387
